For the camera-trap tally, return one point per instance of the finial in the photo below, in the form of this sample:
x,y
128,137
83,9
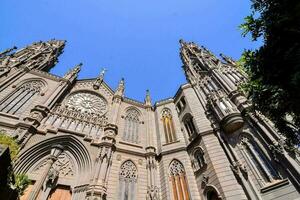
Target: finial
x,y
103,71
182,42
148,98
99,80
73,72
121,88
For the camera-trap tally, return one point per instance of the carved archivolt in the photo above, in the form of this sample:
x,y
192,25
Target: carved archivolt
x,y
63,165
73,162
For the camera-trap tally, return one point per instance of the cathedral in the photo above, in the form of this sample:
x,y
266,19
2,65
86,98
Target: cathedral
x,y
83,140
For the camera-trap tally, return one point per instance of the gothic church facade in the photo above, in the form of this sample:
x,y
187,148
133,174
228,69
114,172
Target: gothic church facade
x,y
81,139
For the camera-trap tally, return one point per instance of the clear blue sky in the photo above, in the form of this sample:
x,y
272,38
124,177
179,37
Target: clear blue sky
x,y
134,39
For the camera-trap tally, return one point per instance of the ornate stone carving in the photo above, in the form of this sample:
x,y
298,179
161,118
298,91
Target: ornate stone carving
x,y
176,168
119,157
238,168
63,165
152,193
128,171
87,103
205,179
277,151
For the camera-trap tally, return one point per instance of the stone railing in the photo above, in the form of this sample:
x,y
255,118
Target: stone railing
x,y
76,121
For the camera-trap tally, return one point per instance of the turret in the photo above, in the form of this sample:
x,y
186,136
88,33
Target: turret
x,y
73,73
202,70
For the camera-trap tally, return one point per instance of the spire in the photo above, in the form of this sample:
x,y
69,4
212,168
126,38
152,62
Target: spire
x,y
148,99
228,59
72,73
39,55
99,80
197,60
121,88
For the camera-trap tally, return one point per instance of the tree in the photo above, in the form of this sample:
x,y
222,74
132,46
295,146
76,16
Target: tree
x,y
16,182
274,68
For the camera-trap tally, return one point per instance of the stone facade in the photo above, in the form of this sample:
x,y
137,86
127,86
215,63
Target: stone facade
x,y
80,139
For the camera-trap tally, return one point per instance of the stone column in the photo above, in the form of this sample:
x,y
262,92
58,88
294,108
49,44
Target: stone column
x,y
152,190
98,187
55,152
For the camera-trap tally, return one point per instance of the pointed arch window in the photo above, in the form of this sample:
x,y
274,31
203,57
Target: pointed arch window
x,y
22,97
199,159
168,124
128,181
178,181
131,128
189,124
260,164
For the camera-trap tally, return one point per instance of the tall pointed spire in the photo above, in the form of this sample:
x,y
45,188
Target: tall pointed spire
x,y
99,80
148,99
72,73
39,55
196,60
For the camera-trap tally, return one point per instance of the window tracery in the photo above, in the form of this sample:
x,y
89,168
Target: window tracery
x,y
86,102
178,180
22,97
258,161
199,158
131,128
128,180
168,125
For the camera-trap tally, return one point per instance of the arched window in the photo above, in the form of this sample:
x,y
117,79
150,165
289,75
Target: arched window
x,y
131,128
22,97
168,126
199,158
178,181
128,181
189,124
260,164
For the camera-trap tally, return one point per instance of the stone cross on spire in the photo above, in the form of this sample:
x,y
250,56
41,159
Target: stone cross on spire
x,y
99,80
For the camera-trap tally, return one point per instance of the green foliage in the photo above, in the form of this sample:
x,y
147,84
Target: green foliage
x,y
18,182
11,143
274,68
21,183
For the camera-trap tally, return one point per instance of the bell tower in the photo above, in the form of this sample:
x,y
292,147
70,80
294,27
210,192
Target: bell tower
x,y
201,69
